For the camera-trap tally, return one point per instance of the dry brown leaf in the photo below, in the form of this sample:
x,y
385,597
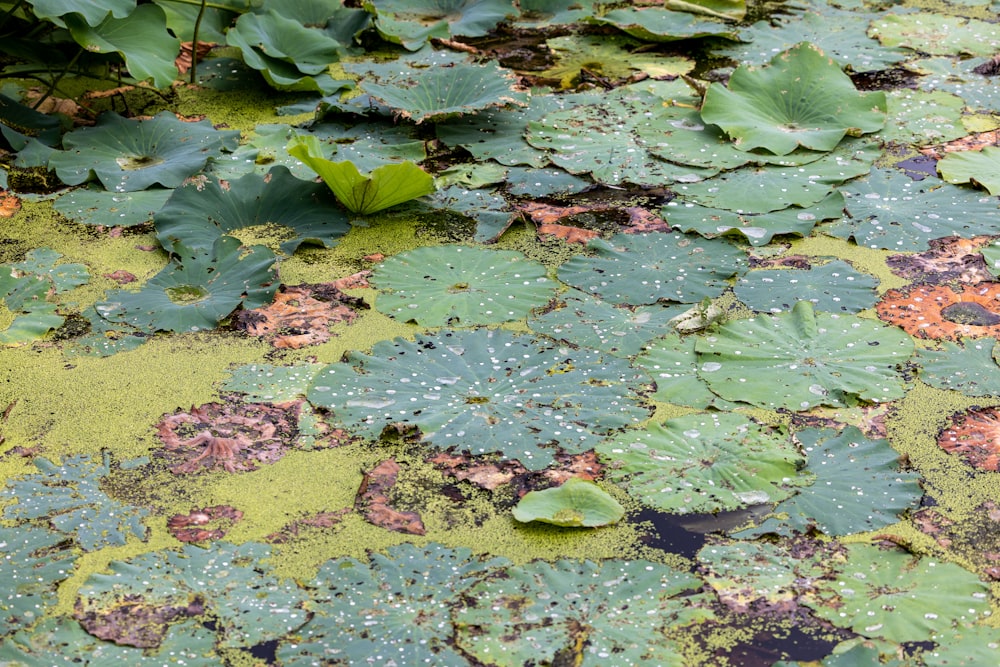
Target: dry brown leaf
x,y
300,315
9,205
975,435
949,258
373,501
942,312
195,526
184,59
566,233
976,141
641,221
550,214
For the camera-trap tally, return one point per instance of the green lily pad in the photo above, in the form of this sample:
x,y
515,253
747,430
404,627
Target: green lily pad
x,y
964,645
894,595
800,359
937,34
543,13
673,365
104,339
69,497
368,146
539,612
832,287
33,560
801,98
464,18
129,155
386,186
26,290
703,463
460,286
93,11
923,117
889,210
93,206
654,24
484,391
678,134
575,503
272,384
641,269
490,210
201,212
858,486
197,291
977,167
970,367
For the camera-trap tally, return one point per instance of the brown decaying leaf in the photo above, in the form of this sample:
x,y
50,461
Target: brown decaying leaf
x,y
184,59
641,221
490,474
975,435
132,621
194,527
976,141
566,233
373,501
951,258
9,204
550,214
320,520
52,104
300,315
944,312
786,262
121,277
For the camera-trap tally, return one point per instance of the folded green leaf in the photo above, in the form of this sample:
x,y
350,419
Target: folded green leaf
x,y
575,503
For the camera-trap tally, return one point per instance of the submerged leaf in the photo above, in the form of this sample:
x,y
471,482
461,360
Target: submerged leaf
x,y
575,503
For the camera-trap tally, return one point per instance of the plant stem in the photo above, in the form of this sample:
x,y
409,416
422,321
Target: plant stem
x,y
194,41
57,79
10,12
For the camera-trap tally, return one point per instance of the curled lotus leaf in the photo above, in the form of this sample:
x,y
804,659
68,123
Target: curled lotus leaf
x,y
640,269
976,167
800,359
832,287
703,463
540,612
969,366
129,155
484,391
575,503
33,560
801,98
943,311
92,11
460,286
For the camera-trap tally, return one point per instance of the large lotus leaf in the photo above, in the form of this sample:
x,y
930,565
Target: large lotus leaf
x,y
611,57
577,502
677,134
970,367
578,613
197,291
542,13
619,330
464,18
70,497
531,182
128,155
25,291
980,168
964,646
386,186
93,11
371,145
898,596
398,609
832,287
673,365
443,92
182,20
272,384
937,34
889,210
283,45
858,487
662,25
410,35
93,206
141,38
800,359
701,463
247,604
763,189
491,211
730,10
201,212
33,561
959,77
801,98
641,269
757,229
923,117
484,391
460,286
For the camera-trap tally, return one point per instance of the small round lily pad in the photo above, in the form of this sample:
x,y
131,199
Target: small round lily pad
x,y
575,503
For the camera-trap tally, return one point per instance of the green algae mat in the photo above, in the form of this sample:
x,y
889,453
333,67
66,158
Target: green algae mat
x,y
495,333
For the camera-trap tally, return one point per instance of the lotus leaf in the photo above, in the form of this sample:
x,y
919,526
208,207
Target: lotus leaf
x,y
246,603
703,463
677,134
579,319
465,18
890,210
444,92
672,363
93,206
460,286
197,291
398,609
410,35
19,123
580,613
757,229
182,19
141,38
201,212
964,646
576,502
93,11
937,34
272,384
858,486
33,560
69,496
484,391
610,57
386,186
105,338
730,10
898,596
25,288
640,269
969,367
492,213
833,287
923,117
662,25
129,155
522,181
800,359
372,145
959,77
542,13
977,167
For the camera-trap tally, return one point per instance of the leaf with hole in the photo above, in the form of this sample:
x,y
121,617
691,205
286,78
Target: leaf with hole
x,y
575,503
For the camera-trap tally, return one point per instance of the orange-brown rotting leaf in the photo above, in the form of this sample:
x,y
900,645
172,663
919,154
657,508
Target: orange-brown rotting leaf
x,y
944,312
301,315
205,524
374,502
975,435
950,258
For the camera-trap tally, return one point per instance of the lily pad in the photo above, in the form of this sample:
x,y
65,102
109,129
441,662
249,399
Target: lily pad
x,y
26,289
490,210
33,561
202,211
460,286
964,645
654,24
129,155
800,359
93,206
639,269
801,98
858,486
923,117
272,384
539,612
977,167
703,463
937,34
575,503
465,18
673,365
611,58
969,367
197,291
484,391
832,287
